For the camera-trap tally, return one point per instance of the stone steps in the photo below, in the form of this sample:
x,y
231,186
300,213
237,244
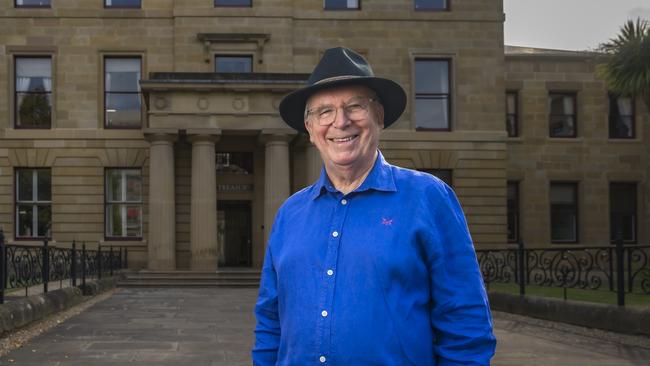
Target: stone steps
x,y
229,277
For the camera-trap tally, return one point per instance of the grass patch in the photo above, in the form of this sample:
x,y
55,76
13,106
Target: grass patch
x,y
598,296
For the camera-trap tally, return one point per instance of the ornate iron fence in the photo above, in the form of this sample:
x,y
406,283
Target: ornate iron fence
x,y
25,266
620,268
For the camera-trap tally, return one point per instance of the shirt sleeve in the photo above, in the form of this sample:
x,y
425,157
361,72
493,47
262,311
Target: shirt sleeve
x,y
267,329
460,314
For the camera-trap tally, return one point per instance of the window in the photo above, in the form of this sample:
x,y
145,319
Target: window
x,y
123,203
621,117
33,92
233,64
431,4
33,3
234,162
513,212
432,102
33,203
233,3
444,175
122,104
622,208
511,114
564,212
562,114
341,4
122,3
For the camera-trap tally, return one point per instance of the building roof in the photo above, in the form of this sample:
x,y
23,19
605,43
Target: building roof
x,y
518,51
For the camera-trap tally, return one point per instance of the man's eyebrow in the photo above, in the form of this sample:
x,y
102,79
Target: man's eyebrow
x,y
310,108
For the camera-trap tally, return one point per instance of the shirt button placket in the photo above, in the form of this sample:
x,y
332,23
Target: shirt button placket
x,y
335,235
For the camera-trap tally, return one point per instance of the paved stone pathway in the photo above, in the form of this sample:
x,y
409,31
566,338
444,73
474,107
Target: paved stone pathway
x,y
213,327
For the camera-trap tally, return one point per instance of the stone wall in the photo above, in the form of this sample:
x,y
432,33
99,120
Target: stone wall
x,y
592,159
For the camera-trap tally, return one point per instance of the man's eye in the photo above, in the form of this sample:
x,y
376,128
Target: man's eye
x,y
354,107
325,112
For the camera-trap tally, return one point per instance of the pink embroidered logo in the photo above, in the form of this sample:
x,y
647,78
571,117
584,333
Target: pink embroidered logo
x,y
387,222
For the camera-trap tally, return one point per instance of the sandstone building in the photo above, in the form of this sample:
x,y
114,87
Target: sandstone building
x,y
153,124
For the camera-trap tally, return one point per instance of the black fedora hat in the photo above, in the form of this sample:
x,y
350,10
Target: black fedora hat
x,y
338,67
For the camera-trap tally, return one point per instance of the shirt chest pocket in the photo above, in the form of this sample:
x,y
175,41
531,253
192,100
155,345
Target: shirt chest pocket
x,y
383,246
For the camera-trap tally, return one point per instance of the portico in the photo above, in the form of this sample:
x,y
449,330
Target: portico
x,y
221,162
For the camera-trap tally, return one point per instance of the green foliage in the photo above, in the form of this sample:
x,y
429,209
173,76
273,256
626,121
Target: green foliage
x,y
626,70
603,296
35,110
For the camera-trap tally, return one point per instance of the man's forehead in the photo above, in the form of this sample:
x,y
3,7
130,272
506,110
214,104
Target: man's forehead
x,y
341,92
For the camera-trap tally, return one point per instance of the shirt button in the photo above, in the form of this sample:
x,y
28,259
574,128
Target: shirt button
x,y
344,201
330,272
324,313
322,359
335,234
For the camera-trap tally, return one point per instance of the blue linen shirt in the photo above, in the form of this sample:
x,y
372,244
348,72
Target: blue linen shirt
x,y
385,275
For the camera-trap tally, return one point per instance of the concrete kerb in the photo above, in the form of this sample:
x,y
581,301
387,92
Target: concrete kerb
x,y
614,318
21,312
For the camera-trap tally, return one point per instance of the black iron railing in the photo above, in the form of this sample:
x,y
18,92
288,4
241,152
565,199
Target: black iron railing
x,y
26,266
620,268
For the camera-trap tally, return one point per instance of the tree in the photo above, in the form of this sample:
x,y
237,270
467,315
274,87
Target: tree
x,y
35,110
626,70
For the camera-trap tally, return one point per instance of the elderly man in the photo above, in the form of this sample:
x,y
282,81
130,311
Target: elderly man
x,y
372,264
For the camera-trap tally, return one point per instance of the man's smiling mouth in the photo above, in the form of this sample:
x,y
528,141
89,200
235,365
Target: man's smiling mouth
x,y
343,139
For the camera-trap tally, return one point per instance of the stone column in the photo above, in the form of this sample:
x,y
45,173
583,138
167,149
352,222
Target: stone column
x,y
277,185
314,163
162,210
203,219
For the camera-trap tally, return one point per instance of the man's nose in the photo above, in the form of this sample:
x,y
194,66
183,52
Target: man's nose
x,y
341,119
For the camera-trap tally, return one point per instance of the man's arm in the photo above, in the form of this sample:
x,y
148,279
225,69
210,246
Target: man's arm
x,y
460,314
267,330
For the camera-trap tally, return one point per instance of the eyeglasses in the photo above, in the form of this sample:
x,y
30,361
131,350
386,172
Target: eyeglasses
x,y
355,109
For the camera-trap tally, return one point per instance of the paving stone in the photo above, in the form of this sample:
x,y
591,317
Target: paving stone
x,y
213,327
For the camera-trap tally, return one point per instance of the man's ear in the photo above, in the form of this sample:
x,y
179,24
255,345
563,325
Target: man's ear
x,y
380,115
308,128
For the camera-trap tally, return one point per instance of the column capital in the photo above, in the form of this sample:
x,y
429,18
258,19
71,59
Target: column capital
x,y
161,135
269,136
203,137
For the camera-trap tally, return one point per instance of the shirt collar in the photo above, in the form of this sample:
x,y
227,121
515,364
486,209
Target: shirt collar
x,y
380,178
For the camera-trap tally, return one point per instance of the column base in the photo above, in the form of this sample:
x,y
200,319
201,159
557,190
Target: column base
x,y
161,265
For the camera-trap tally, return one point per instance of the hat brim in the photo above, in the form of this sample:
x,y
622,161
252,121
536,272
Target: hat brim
x,y
391,96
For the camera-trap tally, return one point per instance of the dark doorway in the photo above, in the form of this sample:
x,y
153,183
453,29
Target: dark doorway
x,y
234,233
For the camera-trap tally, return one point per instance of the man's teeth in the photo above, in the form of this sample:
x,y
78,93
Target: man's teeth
x,y
344,139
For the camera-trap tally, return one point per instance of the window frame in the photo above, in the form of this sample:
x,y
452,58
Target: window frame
x,y
229,55
105,92
16,110
574,95
575,208
215,5
17,6
325,7
124,203
446,8
428,96
139,6
34,203
635,223
515,115
610,124
517,210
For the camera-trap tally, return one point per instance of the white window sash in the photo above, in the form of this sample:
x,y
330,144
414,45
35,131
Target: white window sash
x,y
624,106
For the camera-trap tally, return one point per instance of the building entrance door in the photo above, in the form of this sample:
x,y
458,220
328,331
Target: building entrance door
x,y
234,233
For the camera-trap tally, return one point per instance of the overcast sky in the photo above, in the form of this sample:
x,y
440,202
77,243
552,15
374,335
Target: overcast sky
x,y
568,24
